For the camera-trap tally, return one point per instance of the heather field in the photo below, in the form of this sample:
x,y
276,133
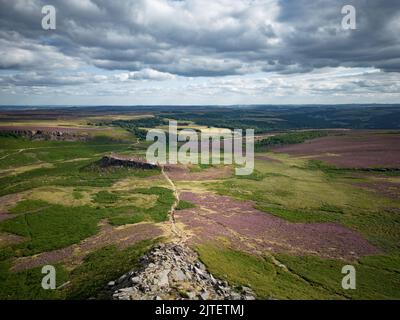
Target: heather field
x,y
316,201
354,150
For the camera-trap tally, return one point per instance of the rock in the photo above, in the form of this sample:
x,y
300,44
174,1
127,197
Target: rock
x,y
135,280
191,295
188,275
235,296
178,275
122,278
205,295
212,279
246,289
122,161
111,284
198,271
163,280
174,271
201,266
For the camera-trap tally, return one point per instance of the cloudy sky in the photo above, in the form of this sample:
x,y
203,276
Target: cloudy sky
x,y
128,52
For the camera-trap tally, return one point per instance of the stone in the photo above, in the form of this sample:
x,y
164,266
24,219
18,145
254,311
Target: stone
x,y
111,284
178,275
198,271
163,280
191,295
171,269
246,289
201,266
121,161
235,296
212,279
204,295
135,280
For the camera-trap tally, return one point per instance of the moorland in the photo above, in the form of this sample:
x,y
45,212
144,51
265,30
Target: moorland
x,y
325,193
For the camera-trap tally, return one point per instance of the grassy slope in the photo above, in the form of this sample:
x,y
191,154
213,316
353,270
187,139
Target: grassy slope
x,y
293,190
47,227
85,281
63,203
299,193
306,277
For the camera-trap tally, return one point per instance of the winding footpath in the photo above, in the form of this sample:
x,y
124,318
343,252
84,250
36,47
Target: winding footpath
x,y
179,233
173,271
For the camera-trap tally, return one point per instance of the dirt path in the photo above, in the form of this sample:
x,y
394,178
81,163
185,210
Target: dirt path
x,y
180,234
173,271
11,154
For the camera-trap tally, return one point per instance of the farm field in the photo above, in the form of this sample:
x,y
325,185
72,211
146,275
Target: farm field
x,y
316,201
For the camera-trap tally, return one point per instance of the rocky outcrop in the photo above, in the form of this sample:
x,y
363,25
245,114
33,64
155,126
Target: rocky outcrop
x,y
119,161
172,271
46,134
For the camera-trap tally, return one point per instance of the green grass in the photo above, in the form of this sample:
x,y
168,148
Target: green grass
x,y
377,277
54,151
48,226
260,274
85,281
182,205
26,206
157,213
27,285
52,227
68,164
106,197
295,191
298,190
77,195
333,171
288,138
102,266
300,215
255,175
69,174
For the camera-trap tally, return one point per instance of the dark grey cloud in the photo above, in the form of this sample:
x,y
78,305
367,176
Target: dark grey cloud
x,y
317,39
204,38
252,48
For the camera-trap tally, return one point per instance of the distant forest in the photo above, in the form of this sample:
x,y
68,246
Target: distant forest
x,y
261,118
280,118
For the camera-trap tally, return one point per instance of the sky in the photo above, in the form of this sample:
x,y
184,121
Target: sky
x,y
180,52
